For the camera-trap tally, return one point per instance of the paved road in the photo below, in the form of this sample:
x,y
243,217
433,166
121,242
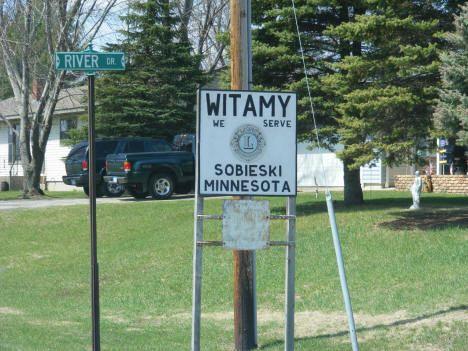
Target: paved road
x,y
25,204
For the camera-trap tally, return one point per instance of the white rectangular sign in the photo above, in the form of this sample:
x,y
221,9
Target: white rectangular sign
x,y
247,143
246,224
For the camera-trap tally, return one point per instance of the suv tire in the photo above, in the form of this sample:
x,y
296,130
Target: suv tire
x,y
161,186
112,189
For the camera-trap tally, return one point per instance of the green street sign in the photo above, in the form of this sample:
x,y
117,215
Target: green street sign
x,y
90,61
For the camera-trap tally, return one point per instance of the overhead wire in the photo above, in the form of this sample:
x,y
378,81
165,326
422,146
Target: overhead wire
x,y
312,110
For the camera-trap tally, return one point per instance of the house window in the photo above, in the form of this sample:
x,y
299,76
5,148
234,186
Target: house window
x,y
13,145
65,126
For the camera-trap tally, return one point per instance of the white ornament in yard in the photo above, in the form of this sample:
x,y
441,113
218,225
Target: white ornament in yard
x,y
416,191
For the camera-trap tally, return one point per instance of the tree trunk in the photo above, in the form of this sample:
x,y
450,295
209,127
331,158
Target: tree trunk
x,y
32,177
352,185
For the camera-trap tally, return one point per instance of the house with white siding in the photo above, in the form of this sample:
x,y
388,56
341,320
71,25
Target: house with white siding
x,y
69,106
320,168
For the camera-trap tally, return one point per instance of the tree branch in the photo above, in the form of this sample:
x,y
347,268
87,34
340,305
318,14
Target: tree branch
x,y
48,28
9,124
218,57
7,55
91,34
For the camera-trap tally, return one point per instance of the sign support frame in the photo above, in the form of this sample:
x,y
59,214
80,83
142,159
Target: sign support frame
x,y
244,267
199,243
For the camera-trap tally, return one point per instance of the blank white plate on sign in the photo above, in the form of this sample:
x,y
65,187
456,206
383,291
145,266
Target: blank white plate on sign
x,y
246,224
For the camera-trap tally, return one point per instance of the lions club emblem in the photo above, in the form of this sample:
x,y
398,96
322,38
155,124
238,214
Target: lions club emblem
x,y
247,143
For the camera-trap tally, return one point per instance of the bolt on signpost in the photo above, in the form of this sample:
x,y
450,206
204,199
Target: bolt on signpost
x,y
91,61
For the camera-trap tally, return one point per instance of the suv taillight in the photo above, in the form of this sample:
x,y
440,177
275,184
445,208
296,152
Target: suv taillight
x,y
127,166
84,165
107,169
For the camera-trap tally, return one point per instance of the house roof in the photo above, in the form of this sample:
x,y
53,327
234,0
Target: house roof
x,y
70,100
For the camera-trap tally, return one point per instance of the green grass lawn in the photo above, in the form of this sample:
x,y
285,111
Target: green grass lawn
x,y
407,275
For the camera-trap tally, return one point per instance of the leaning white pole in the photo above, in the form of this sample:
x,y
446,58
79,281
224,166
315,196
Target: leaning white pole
x,y
341,270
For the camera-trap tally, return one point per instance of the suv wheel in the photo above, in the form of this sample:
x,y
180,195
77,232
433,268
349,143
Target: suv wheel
x,y
161,186
113,189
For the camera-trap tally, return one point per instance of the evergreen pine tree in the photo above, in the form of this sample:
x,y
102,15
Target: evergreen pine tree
x,y
451,114
156,95
385,90
374,70
277,60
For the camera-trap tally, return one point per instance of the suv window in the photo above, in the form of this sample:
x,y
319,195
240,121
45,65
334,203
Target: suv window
x,y
105,147
158,146
78,153
134,146
130,146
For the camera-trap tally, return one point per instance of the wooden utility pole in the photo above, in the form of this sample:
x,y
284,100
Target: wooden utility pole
x,y
239,45
244,303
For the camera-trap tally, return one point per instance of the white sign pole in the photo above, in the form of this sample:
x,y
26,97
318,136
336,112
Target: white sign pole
x,y
197,260
290,273
197,273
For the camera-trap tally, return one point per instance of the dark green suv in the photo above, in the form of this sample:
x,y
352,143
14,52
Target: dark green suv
x,y
76,164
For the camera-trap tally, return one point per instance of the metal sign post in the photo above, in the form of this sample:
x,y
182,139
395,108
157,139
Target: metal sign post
x,y
290,273
92,217
91,61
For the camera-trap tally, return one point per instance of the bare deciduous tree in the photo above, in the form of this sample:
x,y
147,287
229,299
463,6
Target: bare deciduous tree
x,y
61,25
205,20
